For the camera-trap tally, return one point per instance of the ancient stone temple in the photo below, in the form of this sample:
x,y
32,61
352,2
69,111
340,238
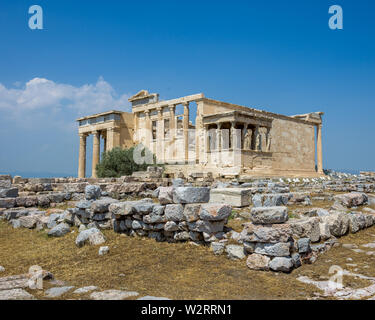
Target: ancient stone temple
x,y
194,135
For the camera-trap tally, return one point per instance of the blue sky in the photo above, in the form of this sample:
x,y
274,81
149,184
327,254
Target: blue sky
x,y
91,56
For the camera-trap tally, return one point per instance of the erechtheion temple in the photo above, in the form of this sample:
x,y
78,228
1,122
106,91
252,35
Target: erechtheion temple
x,y
224,140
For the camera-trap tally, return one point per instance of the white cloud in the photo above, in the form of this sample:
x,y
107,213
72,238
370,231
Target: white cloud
x,y
43,94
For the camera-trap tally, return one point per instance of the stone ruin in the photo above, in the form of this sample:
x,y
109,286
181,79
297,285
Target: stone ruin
x,y
273,238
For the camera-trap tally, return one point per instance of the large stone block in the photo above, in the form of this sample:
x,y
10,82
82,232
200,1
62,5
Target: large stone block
x,y
7,202
75,187
349,200
59,230
191,212
281,264
28,221
127,208
269,215
215,212
9,193
280,249
28,201
306,228
338,223
235,252
174,212
209,227
165,195
15,213
43,201
269,234
270,199
92,192
191,194
92,236
102,205
236,197
257,261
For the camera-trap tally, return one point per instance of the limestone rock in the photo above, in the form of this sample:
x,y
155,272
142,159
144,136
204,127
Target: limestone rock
x,y
165,195
113,295
102,205
215,212
303,245
103,250
174,212
56,292
325,233
218,247
9,193
296,259
28,221
209,227
338,223
257,261
306,228
7,202
191,194
281,264
15,294
171,226
92,192
92,236
235,251
269,234
181,236
84,204
59,230
269,215
236,197
191,212
280,249
349,200
85,289
153,298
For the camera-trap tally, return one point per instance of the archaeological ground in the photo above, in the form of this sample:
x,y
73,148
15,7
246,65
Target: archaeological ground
x,y
150,237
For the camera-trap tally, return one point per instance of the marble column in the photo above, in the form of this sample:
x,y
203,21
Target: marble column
x,y
82,156
160,137
319,148
148,133
136,125
186,130
172,132
95,152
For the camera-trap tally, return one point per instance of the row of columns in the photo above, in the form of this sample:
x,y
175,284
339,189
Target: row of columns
x,y
172,128
95,150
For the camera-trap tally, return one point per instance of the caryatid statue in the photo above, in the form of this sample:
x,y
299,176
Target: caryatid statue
x,y
268,148
247,139
258,139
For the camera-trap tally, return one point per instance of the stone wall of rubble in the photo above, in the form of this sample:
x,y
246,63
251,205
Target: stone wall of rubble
x,y
273,237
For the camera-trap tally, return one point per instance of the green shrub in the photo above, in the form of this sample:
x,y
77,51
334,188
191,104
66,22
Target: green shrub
x,y
119,162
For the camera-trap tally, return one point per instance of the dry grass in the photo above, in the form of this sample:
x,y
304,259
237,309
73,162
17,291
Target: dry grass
x,y
177,271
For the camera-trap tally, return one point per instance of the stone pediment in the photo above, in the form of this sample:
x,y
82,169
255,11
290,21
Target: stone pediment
x,y
143,97
140,95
